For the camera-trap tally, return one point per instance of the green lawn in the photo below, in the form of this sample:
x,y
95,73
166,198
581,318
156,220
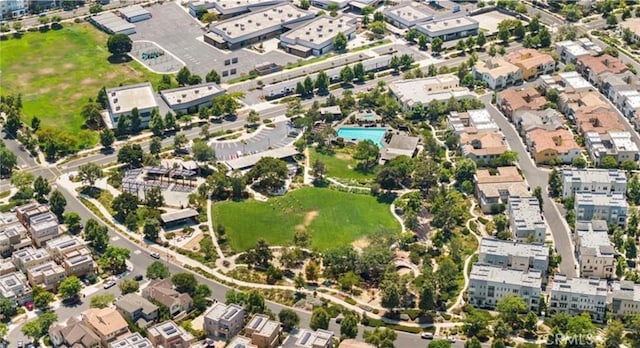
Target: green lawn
x,y
58,71
333,218
341,165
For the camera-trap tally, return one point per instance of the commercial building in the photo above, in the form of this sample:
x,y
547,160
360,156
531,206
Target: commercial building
x,y
408,14
264,332
593,180
591,67
107,323
625,299
525,219
48,275
123,100
555,146
516,255
190,99
13,9
578,295
316,36
489,284
162,291
134,340
169,334
255,26
532,62
596,254
230,8
610,207
75,333
112,24
14,287
43,227
497,73
449,29
513,100
493,191
422,91
134,13
224,321
30,257
135,307
617,145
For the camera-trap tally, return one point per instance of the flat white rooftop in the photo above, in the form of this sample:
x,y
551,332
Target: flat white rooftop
x,y
126,98
495,274
188,94
321,30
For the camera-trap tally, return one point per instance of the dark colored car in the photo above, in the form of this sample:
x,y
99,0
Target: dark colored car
x,y
138,278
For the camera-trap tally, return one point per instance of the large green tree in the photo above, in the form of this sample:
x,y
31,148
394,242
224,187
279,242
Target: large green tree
x,y
319,319
70,287
119,44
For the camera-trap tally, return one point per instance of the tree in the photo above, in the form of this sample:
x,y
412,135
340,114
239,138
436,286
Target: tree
x,y
128,286
304,4
359,72
92,115
340,42
70,287
380,337
179,141
531,323
612,21
202,152
630,248
461,46
436,45
170,121
510,307
269,173
311,271
519,31
151,229
537,193
13,123
465,170
427,300
57,203
155,146
42,298
8,160
319,319
349,326
339,261
97,235
101,301
90,172
122,125
157,270
614,334
213,76
473,343
391,295
367,152
114,259
41,187
545,37
322,82
183,76
7,307
123,205
107,138
503,33
119,44
609,162
72,220
474,323
185,283
289,319
481,40
346,74
32,329
131,154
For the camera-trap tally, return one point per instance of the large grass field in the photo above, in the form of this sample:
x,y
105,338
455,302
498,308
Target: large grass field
x,y
58,71
332,218
341,165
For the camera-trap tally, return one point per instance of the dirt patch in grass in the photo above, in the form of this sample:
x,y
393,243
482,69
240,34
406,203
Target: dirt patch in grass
x,y
68,65
360,243
46,71
88,81
194,244
308,219
342,156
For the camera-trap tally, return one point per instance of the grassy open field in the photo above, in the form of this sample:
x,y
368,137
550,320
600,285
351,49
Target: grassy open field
x,y
341,165
332,218
58,71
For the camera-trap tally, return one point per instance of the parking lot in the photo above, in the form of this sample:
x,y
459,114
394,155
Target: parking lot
x,y
262,140
490,20
174,30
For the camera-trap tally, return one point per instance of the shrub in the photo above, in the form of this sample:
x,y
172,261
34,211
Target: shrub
x,y
350,301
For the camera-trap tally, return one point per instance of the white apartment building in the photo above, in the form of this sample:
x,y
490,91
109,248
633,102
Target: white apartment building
x,y
596,254
516,255
13,9
14,286
610,207
311,339
592,180
618,145
224,321
488,284
43,227
497,73
30,257
525,219
625,298
13,234
48,275
578,295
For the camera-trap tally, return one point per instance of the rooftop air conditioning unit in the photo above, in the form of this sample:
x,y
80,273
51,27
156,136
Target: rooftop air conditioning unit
x,y
117,108
184,95
237,24
115,100
196,91
179,100
249,21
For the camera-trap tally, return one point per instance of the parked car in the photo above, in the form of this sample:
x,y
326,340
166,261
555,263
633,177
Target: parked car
x,y
109,284
139,277
29,306
20,345
426,336
155,255
451,339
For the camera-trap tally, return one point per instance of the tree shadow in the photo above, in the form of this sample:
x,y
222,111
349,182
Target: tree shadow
x,y
118,59
387,197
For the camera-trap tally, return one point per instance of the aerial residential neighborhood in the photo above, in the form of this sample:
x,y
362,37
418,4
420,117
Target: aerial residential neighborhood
x,y
317,174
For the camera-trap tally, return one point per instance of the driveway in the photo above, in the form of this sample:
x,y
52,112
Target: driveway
x,y
538,177
264,139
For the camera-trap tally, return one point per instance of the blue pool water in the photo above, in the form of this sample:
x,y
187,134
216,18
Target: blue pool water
x,y
374,134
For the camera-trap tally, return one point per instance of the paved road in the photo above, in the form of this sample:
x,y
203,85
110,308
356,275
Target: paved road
x,y
538,177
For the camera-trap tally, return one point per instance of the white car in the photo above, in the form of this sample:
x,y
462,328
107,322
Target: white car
x,y
451,339
426,336
155,255
109,284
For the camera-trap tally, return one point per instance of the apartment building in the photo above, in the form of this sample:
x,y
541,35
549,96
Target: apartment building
x,y
7,266
13,235
628,102
107,323
27,211
241,342
30,257
135,307
592,67
264,332
472,121
72,254
494,187
611,85
162,291
497,73
13,9
515,255
625,299
532,62
578,295
525,219
610,207
224,321
76,333
43,227
570,51
529,120
134,340
617,145
489,284
310,339
556,146
596,253
169,335
15,287
513,100
593,180
48,275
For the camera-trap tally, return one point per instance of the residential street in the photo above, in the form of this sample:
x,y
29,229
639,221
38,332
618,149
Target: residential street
x,y
538,177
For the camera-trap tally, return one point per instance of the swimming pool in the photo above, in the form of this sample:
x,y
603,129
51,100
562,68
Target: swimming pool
x,y
358,133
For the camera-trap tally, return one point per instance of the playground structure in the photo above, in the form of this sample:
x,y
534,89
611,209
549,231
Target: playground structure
x,y
140,180
152,54
154,57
